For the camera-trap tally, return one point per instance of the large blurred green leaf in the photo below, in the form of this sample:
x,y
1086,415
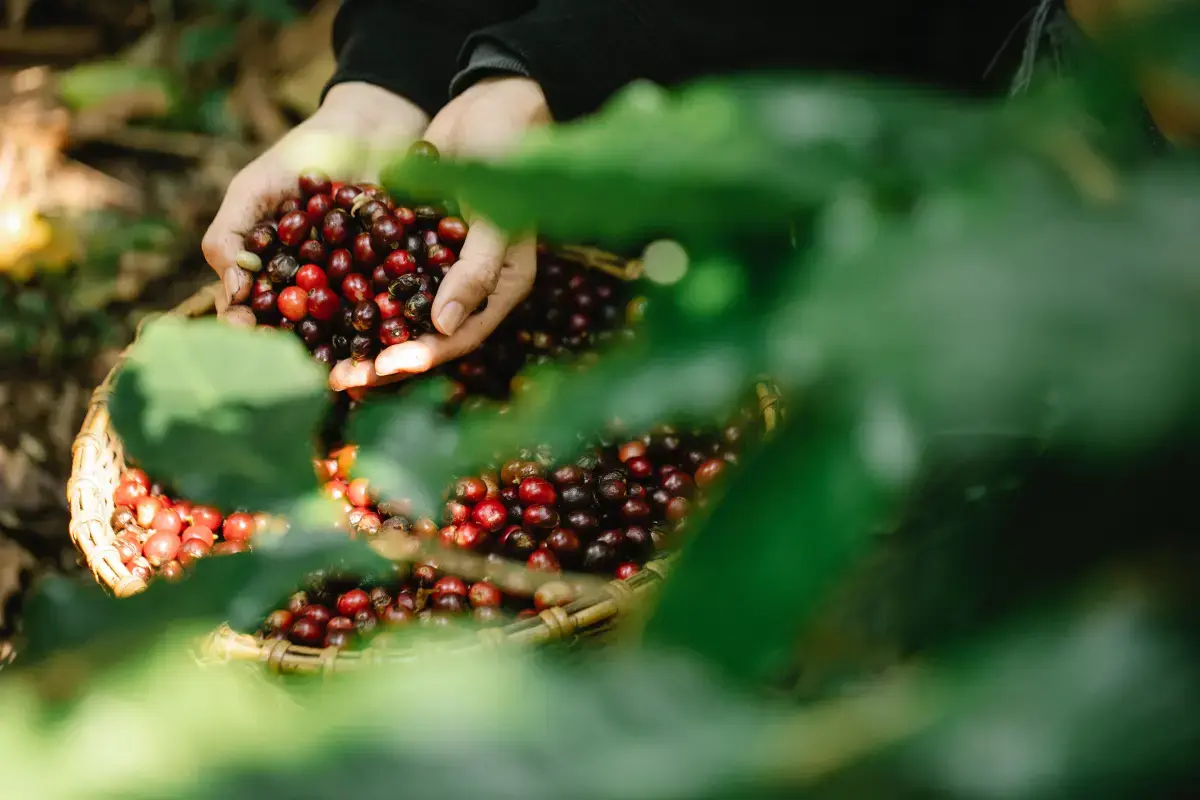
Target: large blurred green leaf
x,y
788,525
725,160
228,416
1026,315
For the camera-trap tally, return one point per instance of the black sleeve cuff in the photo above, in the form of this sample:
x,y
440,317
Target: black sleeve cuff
x,y
487,60
582,52
410,48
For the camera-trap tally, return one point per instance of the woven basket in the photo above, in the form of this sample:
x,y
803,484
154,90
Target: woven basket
x,y
98,462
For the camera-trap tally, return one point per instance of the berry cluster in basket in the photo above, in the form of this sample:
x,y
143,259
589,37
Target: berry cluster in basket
x,y
158,534
607,512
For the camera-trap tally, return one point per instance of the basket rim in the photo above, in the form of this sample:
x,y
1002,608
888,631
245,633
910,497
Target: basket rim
x,y
93,535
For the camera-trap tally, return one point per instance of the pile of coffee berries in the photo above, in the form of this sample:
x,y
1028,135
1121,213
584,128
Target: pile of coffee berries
x,y
348,268
606,512
156,534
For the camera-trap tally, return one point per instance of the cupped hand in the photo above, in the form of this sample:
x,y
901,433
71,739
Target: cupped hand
x,y
354,132
483,122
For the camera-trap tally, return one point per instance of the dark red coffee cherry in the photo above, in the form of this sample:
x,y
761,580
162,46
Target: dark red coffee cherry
x,y
393,332
261,240
343,198
539,517
366,316
543,560
336,227
323,303
537,490
516,543
293,228
340,264
490,515
314,181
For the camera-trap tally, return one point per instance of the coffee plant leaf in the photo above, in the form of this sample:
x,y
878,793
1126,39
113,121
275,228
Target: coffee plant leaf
x,y
794,516
722,162
225,416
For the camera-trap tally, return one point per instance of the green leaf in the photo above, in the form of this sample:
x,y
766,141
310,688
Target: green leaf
x,y
66,616
723,160
792,520
89,85
201,42
227,416
982,311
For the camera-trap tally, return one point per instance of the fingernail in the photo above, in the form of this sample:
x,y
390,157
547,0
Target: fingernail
x,y
451,317
402,358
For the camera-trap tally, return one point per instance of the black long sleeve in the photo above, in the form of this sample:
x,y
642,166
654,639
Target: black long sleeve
x,y
411,47
581,51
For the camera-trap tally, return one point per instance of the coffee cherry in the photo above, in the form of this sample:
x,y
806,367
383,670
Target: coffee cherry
x,y
366,316
491,515
709,472
678,508
161,548
386,233
422,149
634,509
393,332
306,632
537,490
314,181
316,612
452,229
634,449
343,196
310,276
613,490
278,620
352,602
583,521
282,269
424,574
483,595
539,517
261,240
565,544
398,263
418,307
229,548
576,497
293,228
450,584
470,536
356,288
543,560
516,543
140,568
470,490
192,549
146,509
627,570
238,527
449,603
127,548
640,468
167,521
293,303
397,616
128,493
599,557
364,251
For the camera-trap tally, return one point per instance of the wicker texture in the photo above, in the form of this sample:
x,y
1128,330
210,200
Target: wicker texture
x,y
98,461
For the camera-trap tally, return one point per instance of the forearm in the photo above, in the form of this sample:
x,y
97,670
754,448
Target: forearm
x,y
411,47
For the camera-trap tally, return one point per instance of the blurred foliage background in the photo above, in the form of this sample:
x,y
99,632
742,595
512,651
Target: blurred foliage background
x,y
963,567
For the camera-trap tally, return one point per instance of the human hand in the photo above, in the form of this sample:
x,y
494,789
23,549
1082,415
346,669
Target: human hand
x,y
350,136
483,122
